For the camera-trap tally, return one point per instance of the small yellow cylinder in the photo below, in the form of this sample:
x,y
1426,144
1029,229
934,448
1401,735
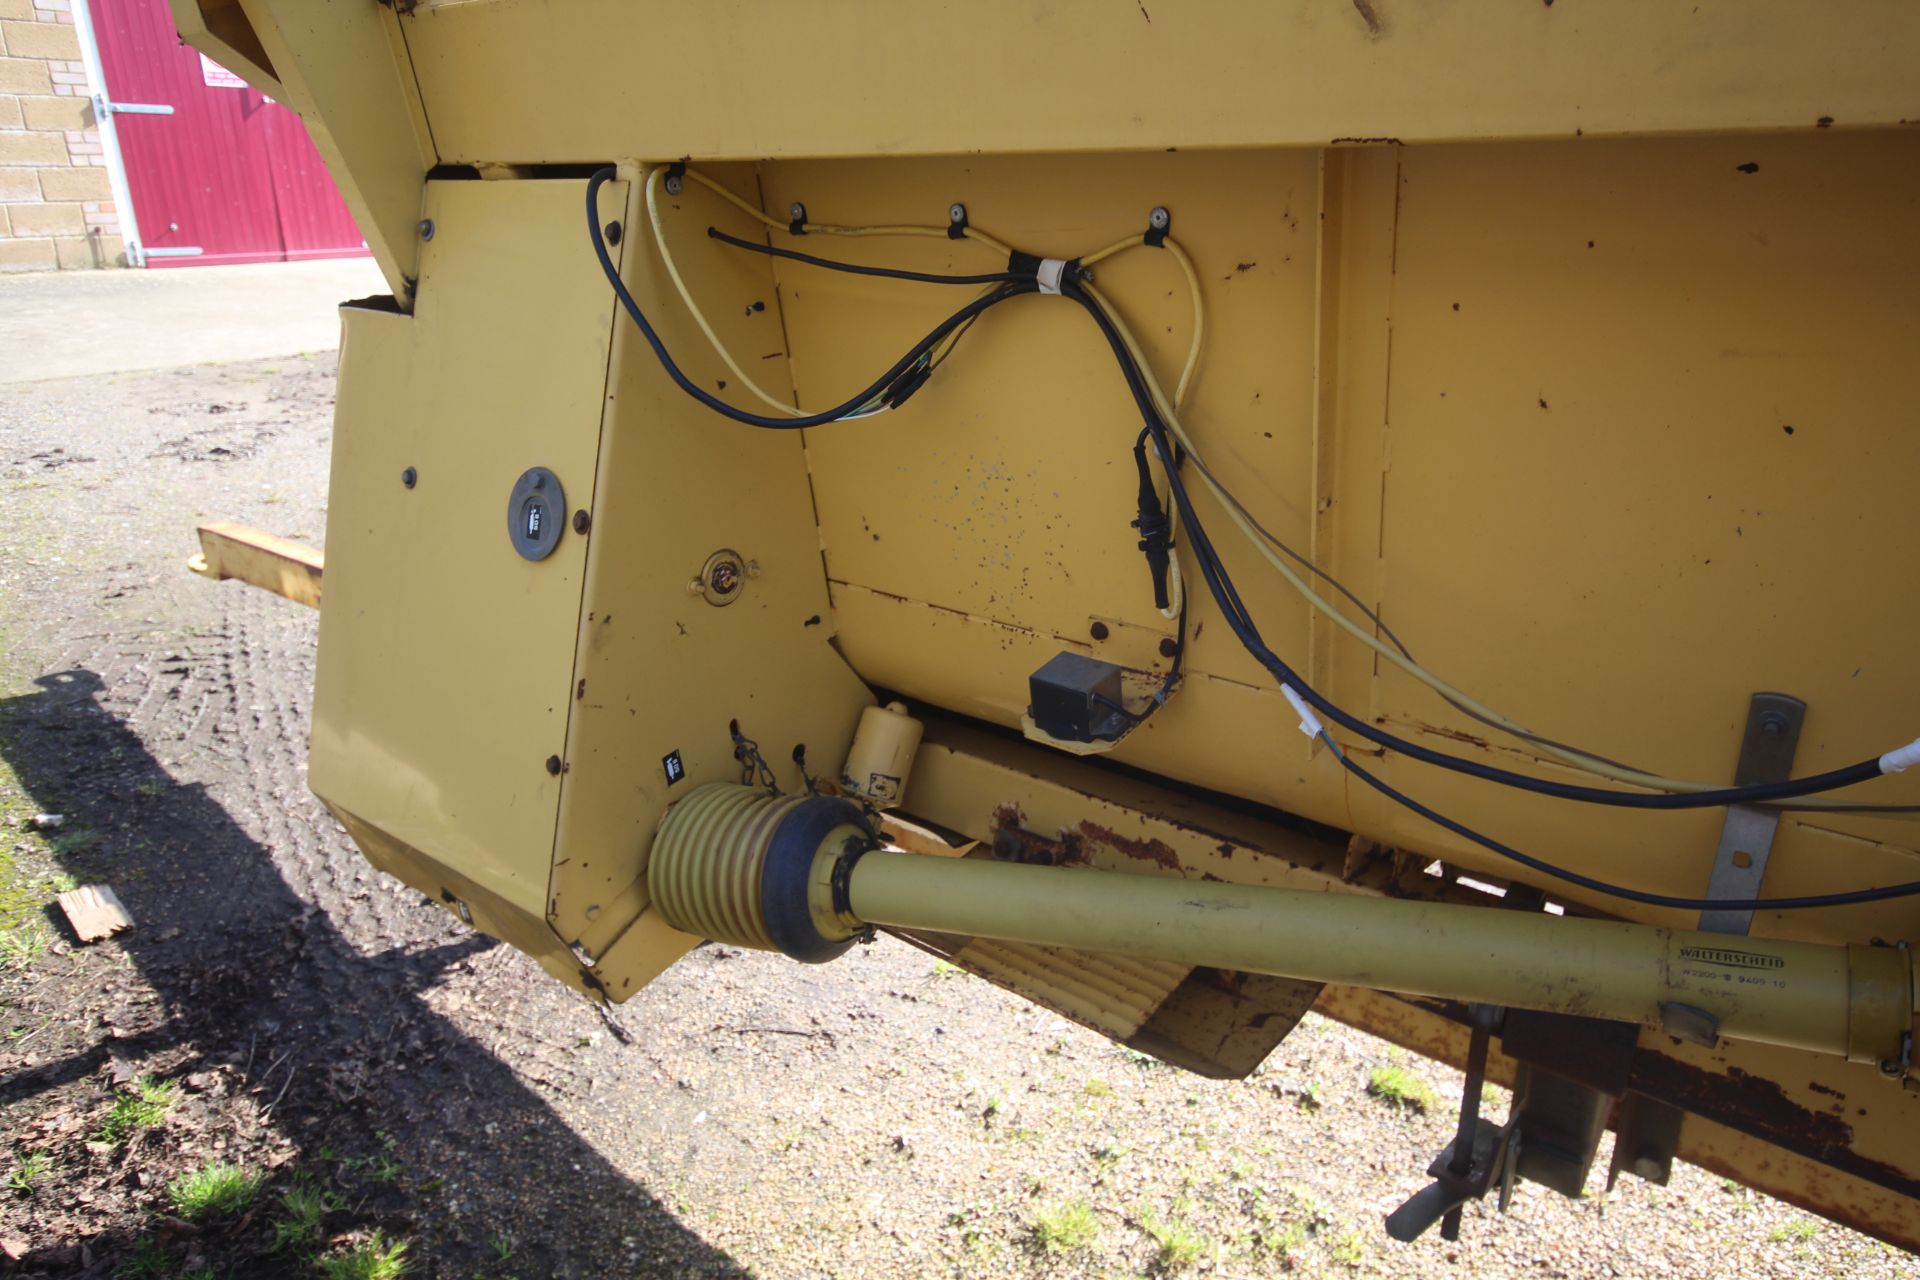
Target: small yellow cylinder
x,y
1803,995
881,758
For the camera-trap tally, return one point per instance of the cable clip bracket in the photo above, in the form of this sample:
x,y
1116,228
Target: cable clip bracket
x,y
956,221
1159,222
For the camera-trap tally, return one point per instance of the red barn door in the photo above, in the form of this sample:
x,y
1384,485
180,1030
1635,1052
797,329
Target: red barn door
x,y
230,175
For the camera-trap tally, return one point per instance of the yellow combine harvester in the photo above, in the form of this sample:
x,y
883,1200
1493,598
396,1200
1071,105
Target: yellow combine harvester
x,y
986,471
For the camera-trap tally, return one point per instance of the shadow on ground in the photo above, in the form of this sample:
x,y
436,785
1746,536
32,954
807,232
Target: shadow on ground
x,y
249,979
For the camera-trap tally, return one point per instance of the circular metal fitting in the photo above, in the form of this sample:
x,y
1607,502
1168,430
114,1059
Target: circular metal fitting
x,y
722,577
536,513
797,212
426,228
1159,218
409,477
674,184
956,214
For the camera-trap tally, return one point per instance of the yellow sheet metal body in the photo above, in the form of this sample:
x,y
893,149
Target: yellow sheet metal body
x,y
1577,343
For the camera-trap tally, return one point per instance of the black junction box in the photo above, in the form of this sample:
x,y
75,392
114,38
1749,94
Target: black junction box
x,y
1076,699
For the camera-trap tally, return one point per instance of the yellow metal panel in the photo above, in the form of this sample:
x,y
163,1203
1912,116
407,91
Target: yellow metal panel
x,y
341,65
1543,557
221,30
600,78
659,671
443,683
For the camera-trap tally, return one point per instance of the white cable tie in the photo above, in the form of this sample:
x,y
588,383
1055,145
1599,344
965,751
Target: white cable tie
x,y
1049,274
1309,723
1901,758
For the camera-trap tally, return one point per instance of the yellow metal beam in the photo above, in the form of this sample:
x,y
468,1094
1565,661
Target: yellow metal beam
x,y
597,79
259,559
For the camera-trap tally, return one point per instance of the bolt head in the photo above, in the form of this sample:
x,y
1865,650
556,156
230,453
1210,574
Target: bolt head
x,y
409,477
674,184
426,228
1159,218
797,212
612,233
956,213
582,521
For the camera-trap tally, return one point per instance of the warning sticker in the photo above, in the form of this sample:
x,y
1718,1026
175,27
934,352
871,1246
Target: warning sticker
x,y
215,76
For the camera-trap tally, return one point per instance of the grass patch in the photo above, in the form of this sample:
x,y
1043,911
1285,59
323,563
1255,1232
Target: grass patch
x,y
1350,1249
1062,1228
1097,1088
303,1207
1799,1230
1400,1088
375,1258
74,842
144,1106
214,1191
27,1172
21,945
946,969
1180,1247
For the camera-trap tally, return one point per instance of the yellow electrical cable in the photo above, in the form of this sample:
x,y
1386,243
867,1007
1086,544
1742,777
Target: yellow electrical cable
x,y
693,308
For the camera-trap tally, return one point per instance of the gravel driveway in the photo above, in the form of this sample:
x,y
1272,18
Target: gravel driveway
x,y
311,1021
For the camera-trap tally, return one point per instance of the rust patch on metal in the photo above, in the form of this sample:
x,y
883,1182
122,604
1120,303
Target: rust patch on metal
x,y
1457,735
1760,1108
1751,1104
1012,842
1158,852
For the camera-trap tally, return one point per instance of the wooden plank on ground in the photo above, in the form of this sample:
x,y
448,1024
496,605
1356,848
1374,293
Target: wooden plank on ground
x,y
95,912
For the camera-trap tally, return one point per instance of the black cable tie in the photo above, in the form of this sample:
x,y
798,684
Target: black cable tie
x,y
798,226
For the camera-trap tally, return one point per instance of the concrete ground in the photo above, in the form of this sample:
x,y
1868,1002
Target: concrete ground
x,y
66,323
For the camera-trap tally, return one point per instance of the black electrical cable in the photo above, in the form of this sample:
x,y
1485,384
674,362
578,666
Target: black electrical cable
x,y
854,268
1241,622
883,386
1773,793
1849,898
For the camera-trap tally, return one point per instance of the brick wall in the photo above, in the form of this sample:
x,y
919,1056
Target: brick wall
x,y
56,209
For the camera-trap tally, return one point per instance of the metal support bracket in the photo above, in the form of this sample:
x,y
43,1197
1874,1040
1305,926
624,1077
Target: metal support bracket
x,y
1746,838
